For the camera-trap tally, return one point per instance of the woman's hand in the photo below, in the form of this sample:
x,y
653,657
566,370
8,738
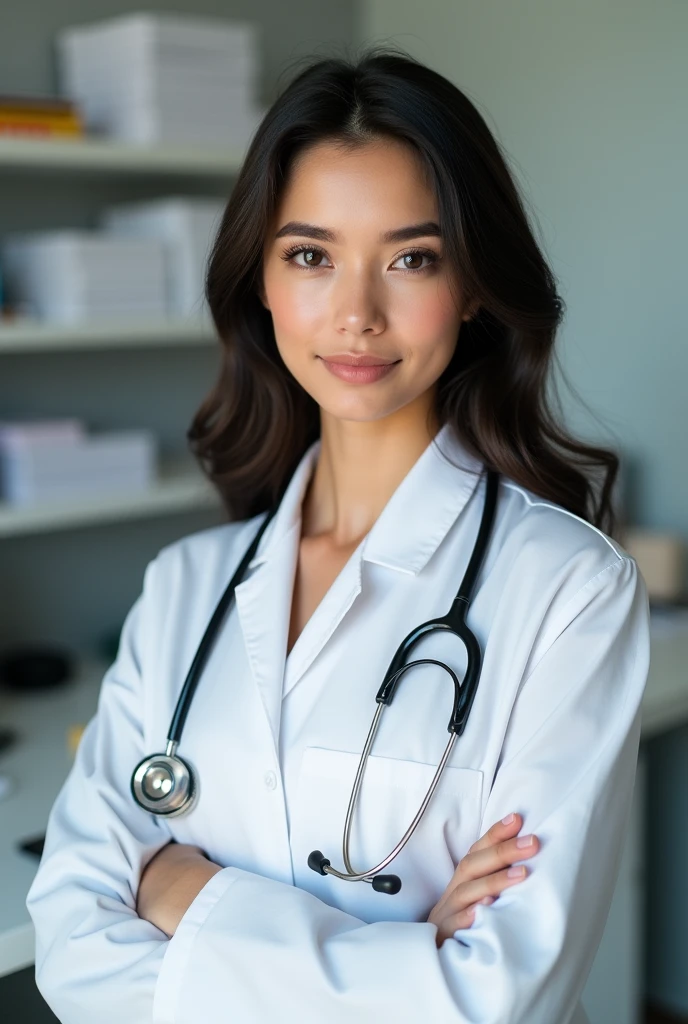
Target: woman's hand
x,y
170,883
482,875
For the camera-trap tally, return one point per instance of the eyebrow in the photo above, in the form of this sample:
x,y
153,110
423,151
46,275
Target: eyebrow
x,y
298,227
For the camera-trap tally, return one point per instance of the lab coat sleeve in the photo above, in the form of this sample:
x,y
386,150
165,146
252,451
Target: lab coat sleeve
x,y
96,960
254,949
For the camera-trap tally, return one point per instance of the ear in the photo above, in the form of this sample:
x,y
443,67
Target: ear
x,y
471,310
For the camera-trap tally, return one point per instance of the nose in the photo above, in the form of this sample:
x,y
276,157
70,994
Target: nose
x,y
357,304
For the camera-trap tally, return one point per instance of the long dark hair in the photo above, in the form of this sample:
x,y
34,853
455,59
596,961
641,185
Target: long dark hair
x,y
257,421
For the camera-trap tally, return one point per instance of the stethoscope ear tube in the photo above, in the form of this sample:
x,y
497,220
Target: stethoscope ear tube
x,y
454,622
165,784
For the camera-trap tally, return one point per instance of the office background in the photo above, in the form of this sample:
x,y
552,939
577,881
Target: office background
x,y
589,102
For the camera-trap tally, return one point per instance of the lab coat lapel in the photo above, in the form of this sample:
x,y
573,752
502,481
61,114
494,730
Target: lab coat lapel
x,y
263,604
264,598
324,620
407,533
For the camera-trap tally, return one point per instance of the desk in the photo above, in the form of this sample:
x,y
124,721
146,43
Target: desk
x,y
41,763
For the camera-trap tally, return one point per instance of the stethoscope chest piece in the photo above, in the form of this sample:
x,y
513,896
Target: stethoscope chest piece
x,y
164,784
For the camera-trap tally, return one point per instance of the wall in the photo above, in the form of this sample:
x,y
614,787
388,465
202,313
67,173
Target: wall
x,y
289,30
589,101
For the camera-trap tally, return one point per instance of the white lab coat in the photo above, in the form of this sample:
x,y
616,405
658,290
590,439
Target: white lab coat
x,y
561,614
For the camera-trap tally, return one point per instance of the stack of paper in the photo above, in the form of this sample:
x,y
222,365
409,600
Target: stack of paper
x,y
158,78
58,461
187,228
70,277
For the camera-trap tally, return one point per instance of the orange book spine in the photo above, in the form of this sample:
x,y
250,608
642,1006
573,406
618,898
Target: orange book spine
x,y
66,122
42,128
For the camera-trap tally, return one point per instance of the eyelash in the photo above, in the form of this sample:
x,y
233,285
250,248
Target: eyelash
x,y
294,250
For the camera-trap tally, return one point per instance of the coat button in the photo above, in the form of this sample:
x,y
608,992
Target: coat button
x,y
270,780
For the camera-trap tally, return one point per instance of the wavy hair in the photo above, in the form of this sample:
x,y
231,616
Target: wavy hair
x,y
497,391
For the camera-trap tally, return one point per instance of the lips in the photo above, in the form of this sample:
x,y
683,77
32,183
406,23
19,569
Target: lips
x,y
349,359
359,369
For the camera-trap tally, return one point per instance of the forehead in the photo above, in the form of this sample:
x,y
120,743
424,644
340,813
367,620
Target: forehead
x,y
384,181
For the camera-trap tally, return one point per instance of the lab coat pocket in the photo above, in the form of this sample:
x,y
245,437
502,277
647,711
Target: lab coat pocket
x,y
391,794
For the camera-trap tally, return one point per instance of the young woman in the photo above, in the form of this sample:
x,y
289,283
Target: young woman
x,y
388,323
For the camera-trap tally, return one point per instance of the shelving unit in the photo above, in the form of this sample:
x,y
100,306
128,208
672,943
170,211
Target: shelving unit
x,y
34,336
180,487
176,490
101,156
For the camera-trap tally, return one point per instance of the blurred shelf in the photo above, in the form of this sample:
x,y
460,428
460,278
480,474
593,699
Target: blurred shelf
x,y
104,156
36,336
176,490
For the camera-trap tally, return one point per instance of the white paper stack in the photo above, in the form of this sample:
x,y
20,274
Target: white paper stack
x,y
58,461
187,228
70,277
160,78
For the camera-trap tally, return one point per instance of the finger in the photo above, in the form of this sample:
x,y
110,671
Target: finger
x,y
500,831
507,828
473,891
492,858
462,919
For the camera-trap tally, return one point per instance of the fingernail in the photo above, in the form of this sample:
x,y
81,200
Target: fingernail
x,y
509,818
487,900
516,872
471,912
523,841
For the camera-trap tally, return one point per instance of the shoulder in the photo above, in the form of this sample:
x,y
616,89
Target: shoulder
x,y
560,563
201,562
551,535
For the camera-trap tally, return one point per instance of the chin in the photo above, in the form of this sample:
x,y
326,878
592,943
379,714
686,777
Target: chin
x,y
359,411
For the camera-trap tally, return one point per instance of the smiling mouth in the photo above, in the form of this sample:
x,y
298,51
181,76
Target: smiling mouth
x,y
351,359
359,369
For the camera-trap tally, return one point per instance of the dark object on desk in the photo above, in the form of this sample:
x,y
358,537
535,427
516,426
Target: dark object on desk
x,y
34,846
35,668
8,737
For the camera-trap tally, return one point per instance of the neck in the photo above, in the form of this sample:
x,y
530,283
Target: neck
x,y
359,467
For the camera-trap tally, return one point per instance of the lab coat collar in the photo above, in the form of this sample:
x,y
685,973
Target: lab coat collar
x,y
414,521
288,515
424,506
405,535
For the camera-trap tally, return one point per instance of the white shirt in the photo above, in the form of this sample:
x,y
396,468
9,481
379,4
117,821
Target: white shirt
x,y
561,615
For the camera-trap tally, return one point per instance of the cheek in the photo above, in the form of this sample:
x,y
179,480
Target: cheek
x,y
427,319
296,309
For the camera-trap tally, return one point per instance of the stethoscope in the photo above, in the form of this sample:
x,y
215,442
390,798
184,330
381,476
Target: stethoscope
x,y
165,784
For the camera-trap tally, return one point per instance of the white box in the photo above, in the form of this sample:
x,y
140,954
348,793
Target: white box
x,y
131,75
18,434
187,227
117,462
71,277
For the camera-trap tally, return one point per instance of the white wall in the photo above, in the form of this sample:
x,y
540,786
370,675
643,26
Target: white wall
x,y
589,100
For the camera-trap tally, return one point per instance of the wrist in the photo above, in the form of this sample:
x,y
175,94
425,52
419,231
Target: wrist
x,y
185,889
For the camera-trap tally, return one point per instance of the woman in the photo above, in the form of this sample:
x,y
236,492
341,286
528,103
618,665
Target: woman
x,y
388,324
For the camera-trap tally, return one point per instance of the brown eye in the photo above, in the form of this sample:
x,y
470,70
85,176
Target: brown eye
x,y
312,257
413,260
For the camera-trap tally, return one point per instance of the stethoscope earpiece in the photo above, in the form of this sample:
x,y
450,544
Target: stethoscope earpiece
x,y
164,784
390,884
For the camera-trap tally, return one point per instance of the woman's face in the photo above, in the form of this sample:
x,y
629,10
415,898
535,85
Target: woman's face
x,y
353,272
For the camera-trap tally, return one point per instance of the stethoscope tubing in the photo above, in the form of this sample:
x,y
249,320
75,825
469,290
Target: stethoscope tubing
x,y
165,784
